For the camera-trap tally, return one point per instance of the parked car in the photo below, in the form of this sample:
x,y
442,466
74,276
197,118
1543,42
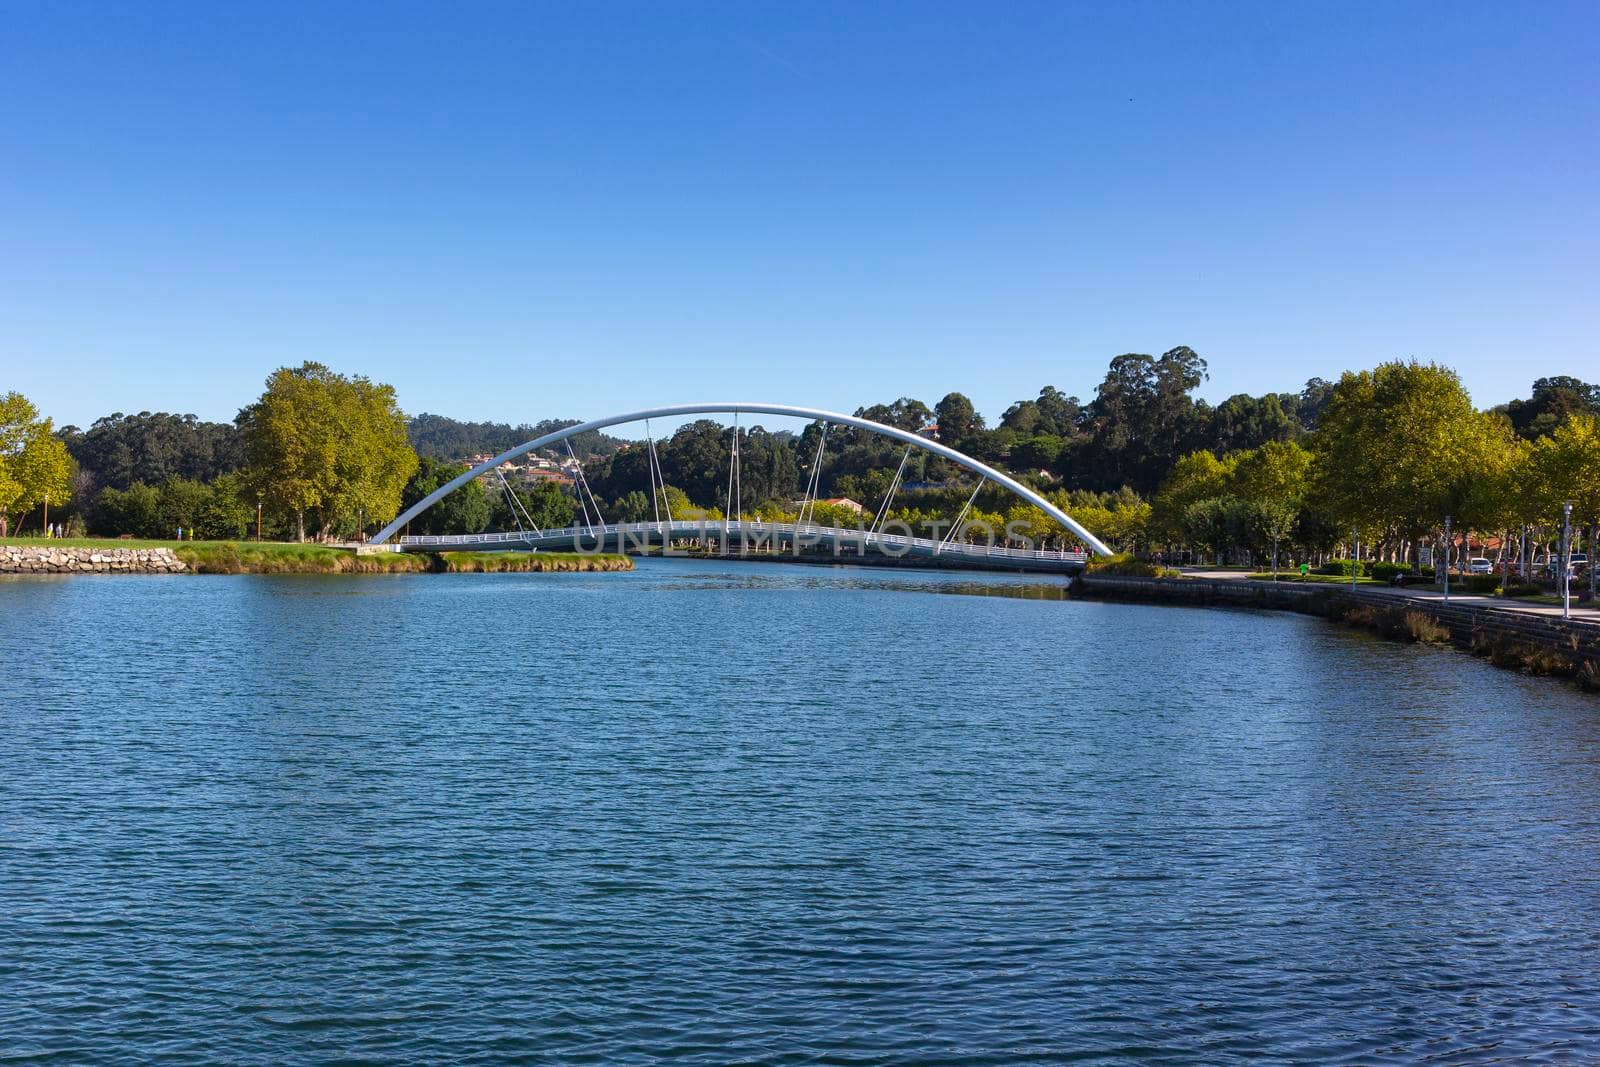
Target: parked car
x,y
1479,565
1579,564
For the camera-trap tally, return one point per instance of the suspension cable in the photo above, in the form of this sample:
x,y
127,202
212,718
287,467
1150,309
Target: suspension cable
x,y
650,462
735,489
955,529
583,484
661,479
814,482
511,501
517,500
894,483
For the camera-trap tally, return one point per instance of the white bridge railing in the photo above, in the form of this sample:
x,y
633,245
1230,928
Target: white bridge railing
x,y
766,532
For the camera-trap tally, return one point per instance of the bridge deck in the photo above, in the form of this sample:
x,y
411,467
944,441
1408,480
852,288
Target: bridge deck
x,y
753,536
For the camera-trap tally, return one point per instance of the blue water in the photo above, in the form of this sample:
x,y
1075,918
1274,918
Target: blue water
x,y
753,813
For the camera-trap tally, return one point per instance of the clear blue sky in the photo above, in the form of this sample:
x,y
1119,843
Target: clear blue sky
x,y
541,210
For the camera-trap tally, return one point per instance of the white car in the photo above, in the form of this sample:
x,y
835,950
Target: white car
x,y
1479,565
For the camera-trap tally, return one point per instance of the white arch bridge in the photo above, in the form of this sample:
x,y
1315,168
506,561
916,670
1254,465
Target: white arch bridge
x,y
885,537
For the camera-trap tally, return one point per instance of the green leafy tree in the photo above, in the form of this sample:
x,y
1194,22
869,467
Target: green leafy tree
x,y
957,417
1244,422
1553,401
182,503
465,511
633,507
229,514
153,447
1398,447
34,467
1143,417
1565,468
135,511
319,440
1195,477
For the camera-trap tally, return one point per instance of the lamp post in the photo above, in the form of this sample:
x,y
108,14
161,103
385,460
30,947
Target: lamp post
x,y
258,518
1355,556
47,514
1566,560
1447,559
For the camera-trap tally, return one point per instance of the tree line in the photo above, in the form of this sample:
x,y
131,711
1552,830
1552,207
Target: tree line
x,y
1145,463
1394,453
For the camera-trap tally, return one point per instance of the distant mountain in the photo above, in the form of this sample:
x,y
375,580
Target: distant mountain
x,y
453,440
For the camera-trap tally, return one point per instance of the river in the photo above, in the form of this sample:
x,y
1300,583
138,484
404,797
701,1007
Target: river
x,y
765,813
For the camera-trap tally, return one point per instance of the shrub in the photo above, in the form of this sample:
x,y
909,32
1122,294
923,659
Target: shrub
x,y
1589,675
1518,655
1341,567
1480,583
1125,565
1425,629
1386,571
1523,589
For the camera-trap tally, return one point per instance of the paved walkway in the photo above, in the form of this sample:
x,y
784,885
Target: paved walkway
x,y
1584,614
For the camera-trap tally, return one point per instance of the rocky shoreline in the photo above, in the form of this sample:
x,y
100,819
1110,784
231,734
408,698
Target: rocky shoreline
x,y
227,557
16,559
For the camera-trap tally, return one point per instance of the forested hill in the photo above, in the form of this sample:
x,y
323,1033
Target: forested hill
x,y
440,437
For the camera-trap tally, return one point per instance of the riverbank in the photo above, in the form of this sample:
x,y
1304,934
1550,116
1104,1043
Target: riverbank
x,y
1511,636
88,556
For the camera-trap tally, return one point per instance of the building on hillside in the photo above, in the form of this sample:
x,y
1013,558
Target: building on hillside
x,y
534,475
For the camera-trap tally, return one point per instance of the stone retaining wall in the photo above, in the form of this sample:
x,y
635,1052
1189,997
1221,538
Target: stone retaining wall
x,y
1473,626
46,559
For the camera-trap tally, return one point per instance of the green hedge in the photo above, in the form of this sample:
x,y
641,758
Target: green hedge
x,y
1341,567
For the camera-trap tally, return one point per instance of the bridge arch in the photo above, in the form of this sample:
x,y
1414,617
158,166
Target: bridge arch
x,y
809,414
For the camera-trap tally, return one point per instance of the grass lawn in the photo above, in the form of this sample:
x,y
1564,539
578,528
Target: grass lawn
x,y
106,543
1312,579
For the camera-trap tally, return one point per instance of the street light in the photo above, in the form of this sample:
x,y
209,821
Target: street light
x,y
1566,560
258,517
1447,547
1355,556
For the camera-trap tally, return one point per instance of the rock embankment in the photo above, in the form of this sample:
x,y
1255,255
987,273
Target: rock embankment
x,y
47,559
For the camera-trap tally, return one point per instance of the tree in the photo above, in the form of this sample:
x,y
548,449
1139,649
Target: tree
x,y
1272,481
1275,472
1311,402
1195,477
153,447
182,503
451,440
1244,422
34,467
1565,467
319,440
135,510
1040,451
905,413
1553,401
956,417
633,507
465,511
1143,418
228,515
1398,447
